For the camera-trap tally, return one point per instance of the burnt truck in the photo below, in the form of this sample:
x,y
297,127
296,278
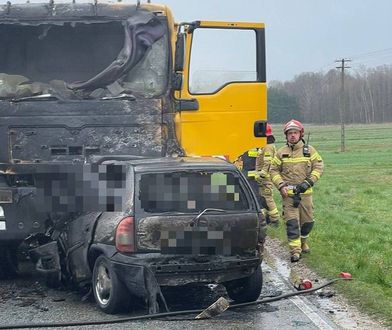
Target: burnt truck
x,y
82,84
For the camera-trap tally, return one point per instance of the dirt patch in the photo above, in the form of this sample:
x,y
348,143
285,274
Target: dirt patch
x,y
334,304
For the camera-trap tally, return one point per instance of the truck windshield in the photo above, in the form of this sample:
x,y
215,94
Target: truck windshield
x,y
191,192
84,60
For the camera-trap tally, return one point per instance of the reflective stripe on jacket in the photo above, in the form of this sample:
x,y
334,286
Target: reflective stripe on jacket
x,y
263,161
291,167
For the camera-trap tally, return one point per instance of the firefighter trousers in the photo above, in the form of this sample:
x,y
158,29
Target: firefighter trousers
x,y
299,221
272,210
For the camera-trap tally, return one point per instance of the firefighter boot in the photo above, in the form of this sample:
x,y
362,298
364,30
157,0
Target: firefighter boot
x,y
295,249
295,257
293,235
304,246
274,217
306,228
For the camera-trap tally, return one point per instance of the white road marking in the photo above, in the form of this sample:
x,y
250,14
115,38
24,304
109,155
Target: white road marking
x,y
281,280
312,314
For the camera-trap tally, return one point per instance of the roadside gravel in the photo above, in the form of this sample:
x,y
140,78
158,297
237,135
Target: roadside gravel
x,y
346,315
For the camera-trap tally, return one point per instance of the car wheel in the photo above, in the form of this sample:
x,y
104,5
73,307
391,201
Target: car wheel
x,y
110,293
8,262
246,289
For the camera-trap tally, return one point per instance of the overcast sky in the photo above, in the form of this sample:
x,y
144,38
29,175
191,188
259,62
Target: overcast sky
x,y
306,35
303,35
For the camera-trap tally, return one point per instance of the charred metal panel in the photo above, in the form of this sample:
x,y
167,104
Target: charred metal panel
x,y
117,10
212,272
20,11
78,237
106,227
60,10
149,232
54,131
64,143
228,234
172,270
21,215
75,127
73,9
47,258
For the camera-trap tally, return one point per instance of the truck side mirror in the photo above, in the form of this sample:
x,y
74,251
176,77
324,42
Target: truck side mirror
x,y
178,62
259,128
179,57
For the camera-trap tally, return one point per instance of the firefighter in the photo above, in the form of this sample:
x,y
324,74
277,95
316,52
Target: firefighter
x,y
263,163
247,164
294,170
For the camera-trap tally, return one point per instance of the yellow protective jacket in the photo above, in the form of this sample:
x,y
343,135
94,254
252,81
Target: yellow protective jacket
x,y
291,166
263,162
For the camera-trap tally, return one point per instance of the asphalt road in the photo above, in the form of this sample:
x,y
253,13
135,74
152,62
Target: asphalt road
x,y
26,301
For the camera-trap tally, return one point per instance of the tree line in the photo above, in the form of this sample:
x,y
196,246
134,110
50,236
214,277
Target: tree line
x,y
316,97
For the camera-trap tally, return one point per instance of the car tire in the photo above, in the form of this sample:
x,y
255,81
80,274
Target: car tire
x,y
110,293
246,289
8,262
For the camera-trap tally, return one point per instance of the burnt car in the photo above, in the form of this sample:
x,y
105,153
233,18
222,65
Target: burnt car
x,y
186,220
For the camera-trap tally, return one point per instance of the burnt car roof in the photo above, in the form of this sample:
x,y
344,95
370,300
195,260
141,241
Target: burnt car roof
x,y
64,11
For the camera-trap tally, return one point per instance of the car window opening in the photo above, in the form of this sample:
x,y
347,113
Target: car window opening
x,y
191,192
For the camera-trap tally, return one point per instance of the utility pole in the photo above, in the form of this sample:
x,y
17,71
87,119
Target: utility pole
x,y
342,103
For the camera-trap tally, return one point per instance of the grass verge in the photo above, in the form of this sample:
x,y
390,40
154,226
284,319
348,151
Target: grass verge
x,y
353,202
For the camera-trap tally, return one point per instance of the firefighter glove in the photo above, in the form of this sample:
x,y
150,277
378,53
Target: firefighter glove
x,y
296,200
302,187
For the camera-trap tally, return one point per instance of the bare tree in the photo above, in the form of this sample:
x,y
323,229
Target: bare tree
x,y
368,91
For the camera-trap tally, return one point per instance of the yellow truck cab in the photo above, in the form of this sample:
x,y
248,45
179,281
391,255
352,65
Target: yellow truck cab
x,y
222,99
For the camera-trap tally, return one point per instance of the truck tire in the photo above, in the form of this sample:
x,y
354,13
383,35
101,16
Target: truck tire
x,y
110,293
246,289
8,262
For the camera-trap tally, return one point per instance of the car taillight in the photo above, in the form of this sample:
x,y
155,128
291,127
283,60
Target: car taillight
x,y
125,235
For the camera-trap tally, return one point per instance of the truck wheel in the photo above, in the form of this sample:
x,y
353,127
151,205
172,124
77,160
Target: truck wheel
x,y
8,262
110,293
246,289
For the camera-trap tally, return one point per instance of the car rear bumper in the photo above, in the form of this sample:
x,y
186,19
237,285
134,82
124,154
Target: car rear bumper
x,y
172,270
144,273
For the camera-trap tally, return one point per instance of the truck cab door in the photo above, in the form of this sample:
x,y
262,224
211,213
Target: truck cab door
x,y
222,100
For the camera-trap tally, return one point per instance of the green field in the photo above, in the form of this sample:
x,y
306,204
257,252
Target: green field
x,y
353,203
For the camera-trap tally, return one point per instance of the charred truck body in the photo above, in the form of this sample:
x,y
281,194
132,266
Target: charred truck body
x,y
82,84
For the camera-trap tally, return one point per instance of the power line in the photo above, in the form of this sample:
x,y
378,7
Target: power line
x,y
372,53
355,58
